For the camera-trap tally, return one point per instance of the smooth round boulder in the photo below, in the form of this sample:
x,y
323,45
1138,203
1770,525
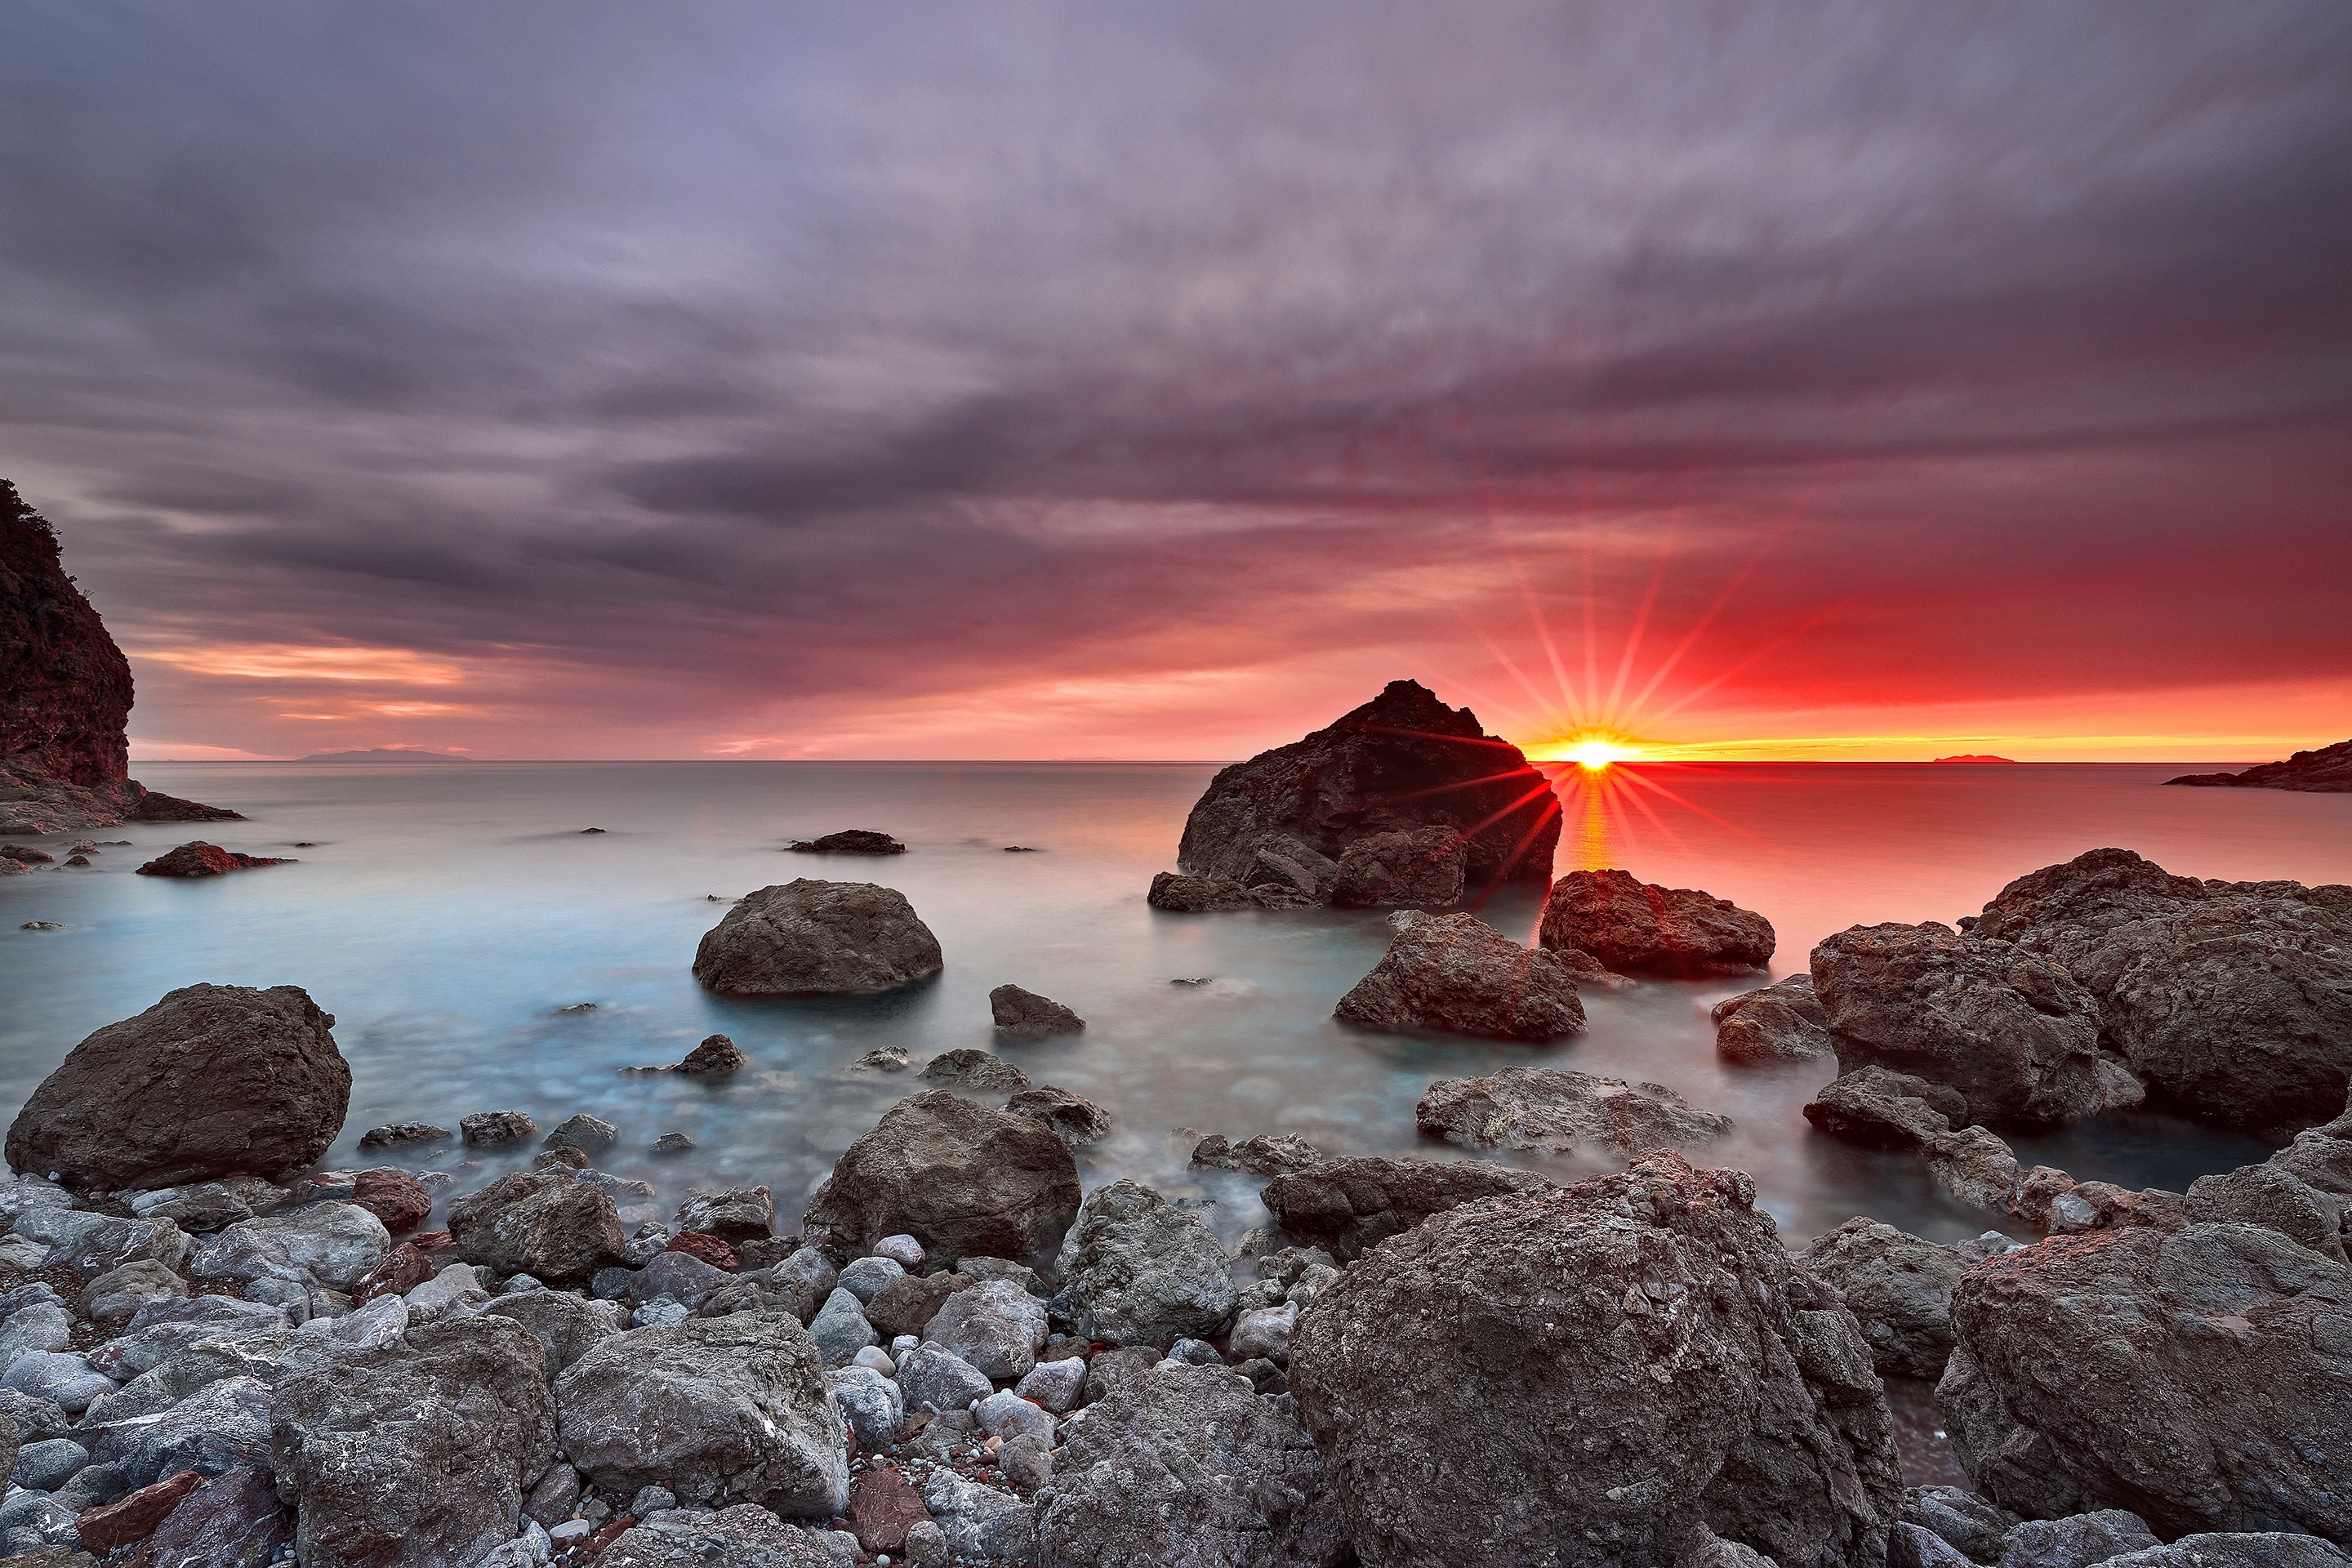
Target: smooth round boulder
x,y
807,938
211,1079
961,1179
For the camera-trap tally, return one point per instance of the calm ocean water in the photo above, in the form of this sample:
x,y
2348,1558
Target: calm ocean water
x,y
447,913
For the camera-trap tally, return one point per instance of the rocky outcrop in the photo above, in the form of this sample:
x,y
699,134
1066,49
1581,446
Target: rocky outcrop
x,y
1638,927
2013,1033
849,841
2229,1000
198,858
2201,1378
807,938
1349,1206
1142,1272
1783,1022
1628,1371
1414,868
1561,1111
1403,760
1187,1466
211,1079
64,687
418,1454
32,803
1898,1287
2326,771
546,1224
1019,1012
719,1410
1459,974
960,1178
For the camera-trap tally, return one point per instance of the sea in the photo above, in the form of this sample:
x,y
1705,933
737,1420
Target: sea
x,y
480,950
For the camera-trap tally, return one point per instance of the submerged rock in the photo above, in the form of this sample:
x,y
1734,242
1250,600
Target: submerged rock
x,y
849,841
1403,760
960,1178
1459,974
1019,1012
198,858
1275,1155
1779,1023
807,938
717,1054
1415,868
1636,926
211,1079
1349,1206
1632,1365
1561,1111
2014,1034
491,1128
1143,1271
403,1133
975,1072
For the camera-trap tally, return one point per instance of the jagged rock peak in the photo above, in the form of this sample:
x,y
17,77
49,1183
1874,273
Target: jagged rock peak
x,y
64,687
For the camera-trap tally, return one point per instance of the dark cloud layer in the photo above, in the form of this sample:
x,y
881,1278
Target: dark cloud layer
x,y
854,380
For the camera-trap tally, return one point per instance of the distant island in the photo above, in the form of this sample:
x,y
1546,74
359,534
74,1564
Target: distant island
x,y
2011,761
385,755
2327,771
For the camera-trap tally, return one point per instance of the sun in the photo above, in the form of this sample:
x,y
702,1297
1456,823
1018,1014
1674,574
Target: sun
x,y
1591,750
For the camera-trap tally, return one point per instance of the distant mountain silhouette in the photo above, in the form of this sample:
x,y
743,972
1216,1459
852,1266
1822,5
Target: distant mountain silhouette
x,y
2011,761
385,755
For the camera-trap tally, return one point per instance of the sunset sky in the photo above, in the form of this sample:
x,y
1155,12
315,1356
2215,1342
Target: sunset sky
x,y
1119,381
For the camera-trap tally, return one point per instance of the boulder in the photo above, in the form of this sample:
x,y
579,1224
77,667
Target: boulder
x,y
1898,1287
1077,1121
211,1079
113,1296
1019,1012
1639,928
1186,1465
198,858
418,1453
807,938
2272,1196
849,841
399,1135
974,1072
395,1197
234,1521
957,1176
1968,1523
1885,1109
719,1410
135,1516
492,1129
334,1244
1459,974
995,1327
2260,1549
744,1536
565,1326
1263,1154
1977,1167
907,1305
2076,1541
737,1214
588,1134
1560,1111
1783,1022
882,1508
1413,867
982,1524
546,1224
870,1403
1403,760
219,1426
1143,1271
933,1377
716,1054
1621,1371
840,1330
2013,1033
2201,1378
1349,1206
2229,1000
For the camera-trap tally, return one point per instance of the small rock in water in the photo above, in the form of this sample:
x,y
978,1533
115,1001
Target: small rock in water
x,y
584,1133
76,860
886,1058
671,1143
849,841
588,830
26,853
1194,980
562,1158
488,1129
1021,849
979,1072
198,858
1275,1155
394,1134
1019,1012
578,1007
717,1054
41,925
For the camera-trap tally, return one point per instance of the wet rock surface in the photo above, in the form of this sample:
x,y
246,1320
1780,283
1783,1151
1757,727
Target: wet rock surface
x,y
1142,1272
1783,1022
1560,1110
1019,1012
1459,974
1636,927
958,1177
808,938
1416,869
1349,1206
1898,1287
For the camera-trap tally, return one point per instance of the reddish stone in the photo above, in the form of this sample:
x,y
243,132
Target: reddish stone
x,y
198,858
611,1532
135,1517
438,1245
883,1507
709,1249
393,1196
232,1518
403,1269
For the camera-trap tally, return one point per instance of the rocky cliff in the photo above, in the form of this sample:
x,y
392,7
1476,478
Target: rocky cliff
x,y
2327,771
64,687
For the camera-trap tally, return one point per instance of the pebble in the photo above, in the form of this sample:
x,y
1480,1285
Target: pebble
x,y
660,1312
570,1531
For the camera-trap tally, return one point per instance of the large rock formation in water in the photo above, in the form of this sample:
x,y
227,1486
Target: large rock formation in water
x,y
2327,771
1639,926
1403,760
65,698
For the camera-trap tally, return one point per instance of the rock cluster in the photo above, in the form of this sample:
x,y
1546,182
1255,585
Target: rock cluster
x,y
807,938
1637,927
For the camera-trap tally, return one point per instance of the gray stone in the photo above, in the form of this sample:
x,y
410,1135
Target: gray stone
x,y
658,1313
982,1524
1187,1466
546,1224
418,1453
493,1129
232,1521
1056,1384
457,1286
1457,975
332,1243
1973,1525
1277,1155
1783,1022
566,1327
1633,1360
995,1327
871,1401
584,1133
903,1250
717,1409
862,1276
1416,868
840,1330
974,1072
1898,1287
1264,1333
2075,1543
31,1519
736,1215
108,1246
554,1497
67,1380
1007,1415
1019,1012
1142,1272
1910,1546
116,1296
372,1327
1884,1110
47,1466
2256,1550
926,1544
957,1176
1349,1206
1027,1462
807,938
1115,1368
43,1326
934,1377
2271,1196
741,1537
680,1275
214,1430
1559,1110
1195,1352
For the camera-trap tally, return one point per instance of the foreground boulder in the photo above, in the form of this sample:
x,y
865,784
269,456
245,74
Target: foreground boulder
x,y
1636,927
719,1410
1898,1287
1460,974
1884,1110
2230,1000
807,938
2326,771
1779,1023
1349,1206
1143,1271
1621,1372
1561,1111
1187,1466
1403,760
2014,1034
212,1079
2203,1380
546,1224
418,1454
960,1178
